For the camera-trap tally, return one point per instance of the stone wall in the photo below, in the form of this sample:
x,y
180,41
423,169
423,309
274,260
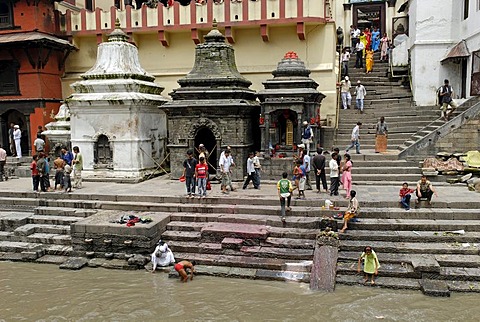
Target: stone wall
x,y
464,138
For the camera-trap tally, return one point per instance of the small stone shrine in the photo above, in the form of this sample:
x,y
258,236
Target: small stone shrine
x,y
58,132
115,116
213,106
289,99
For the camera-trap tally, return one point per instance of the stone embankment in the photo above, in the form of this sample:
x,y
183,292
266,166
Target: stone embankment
x,y
242,236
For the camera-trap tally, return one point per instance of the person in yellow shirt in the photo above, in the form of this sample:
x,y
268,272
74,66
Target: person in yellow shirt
x,y
370,264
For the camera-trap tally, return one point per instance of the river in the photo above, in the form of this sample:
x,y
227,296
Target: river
x,y
39,292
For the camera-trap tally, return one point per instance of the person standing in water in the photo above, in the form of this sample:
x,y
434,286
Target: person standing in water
x,y
181,268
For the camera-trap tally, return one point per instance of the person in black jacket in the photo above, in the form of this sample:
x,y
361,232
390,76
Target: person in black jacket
x,y
319,167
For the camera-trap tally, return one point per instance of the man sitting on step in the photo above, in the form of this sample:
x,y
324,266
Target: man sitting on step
x,y
425,190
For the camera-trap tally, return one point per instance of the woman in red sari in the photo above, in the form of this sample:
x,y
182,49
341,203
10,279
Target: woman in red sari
x,y
368,34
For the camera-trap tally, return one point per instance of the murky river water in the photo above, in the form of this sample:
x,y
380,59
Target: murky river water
x,y
31,292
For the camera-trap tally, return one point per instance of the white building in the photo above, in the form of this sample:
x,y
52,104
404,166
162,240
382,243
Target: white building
x,y
444,43
115,117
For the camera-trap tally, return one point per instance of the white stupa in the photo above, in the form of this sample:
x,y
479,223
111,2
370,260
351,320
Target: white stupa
x,y
115,117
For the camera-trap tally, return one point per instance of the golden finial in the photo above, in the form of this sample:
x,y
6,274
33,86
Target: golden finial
x,y
117,23
214,23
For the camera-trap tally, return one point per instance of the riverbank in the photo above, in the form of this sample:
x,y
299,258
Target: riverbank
x,y
414,246
115,295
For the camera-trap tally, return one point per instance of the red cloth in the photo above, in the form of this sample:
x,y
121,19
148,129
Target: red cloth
x,y
178,267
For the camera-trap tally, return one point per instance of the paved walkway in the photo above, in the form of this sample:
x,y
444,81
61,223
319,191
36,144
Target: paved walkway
x,y
163,186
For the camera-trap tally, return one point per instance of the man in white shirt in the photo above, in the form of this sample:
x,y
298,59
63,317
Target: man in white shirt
x,y
345,86
258,167
17,136
226,161
354,34
359,47
334,175
355,138
250,172
39,144
360,93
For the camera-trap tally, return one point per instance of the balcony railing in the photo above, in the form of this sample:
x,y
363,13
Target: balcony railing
x,y
177,17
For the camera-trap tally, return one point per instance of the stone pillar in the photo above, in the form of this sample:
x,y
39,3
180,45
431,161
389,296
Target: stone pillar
x,y
299,128
267,132
347,21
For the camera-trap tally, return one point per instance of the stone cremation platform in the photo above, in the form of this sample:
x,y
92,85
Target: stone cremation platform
x,y
100,234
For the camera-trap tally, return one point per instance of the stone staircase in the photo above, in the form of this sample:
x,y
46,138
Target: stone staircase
x,y
415,249
244,237
417,145
29,232
389,98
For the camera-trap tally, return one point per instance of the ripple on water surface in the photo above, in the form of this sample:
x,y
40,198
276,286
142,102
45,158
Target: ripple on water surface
x,y
46,293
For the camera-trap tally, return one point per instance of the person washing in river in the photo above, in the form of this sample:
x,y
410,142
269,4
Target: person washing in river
x,y
370,265
181,268
162,256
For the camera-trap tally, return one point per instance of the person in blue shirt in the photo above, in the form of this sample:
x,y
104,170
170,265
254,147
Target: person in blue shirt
x,y
67,156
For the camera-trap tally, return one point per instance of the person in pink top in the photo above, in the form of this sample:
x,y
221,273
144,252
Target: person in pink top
x,y
347,174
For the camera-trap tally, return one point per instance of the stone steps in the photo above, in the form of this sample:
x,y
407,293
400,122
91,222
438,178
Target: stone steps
x,y
29,229
416,224
409,248
53,220
411,236
386,282
275,264
245,251
450,260
386,270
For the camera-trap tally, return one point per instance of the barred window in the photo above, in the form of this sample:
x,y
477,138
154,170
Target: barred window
x,y
6,14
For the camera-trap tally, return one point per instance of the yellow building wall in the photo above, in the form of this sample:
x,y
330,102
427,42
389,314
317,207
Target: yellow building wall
x,y
256,59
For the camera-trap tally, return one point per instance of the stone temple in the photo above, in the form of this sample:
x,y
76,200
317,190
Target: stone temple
x,y
115,117
213,106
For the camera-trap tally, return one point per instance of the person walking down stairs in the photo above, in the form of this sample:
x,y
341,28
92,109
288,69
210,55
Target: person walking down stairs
x,y
360,93
355,138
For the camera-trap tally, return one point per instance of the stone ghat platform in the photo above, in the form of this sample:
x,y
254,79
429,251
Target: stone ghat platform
x,y
241,235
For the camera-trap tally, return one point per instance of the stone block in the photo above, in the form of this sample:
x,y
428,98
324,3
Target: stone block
x,y
434,288
219,230
232,243
74,263
138,260
425,263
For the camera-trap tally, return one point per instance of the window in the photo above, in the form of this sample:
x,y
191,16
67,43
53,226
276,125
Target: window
x,y
89,5
466,5
475,81
6,14
9,77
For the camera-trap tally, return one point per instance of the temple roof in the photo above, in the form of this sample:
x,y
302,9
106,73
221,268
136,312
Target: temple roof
x,y
27,39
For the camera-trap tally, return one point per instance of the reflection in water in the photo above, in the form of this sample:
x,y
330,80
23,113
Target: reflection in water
x,y
44,292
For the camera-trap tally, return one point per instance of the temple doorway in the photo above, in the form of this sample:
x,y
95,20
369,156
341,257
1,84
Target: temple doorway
x,y
369,15
285,122
206,137
15,117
